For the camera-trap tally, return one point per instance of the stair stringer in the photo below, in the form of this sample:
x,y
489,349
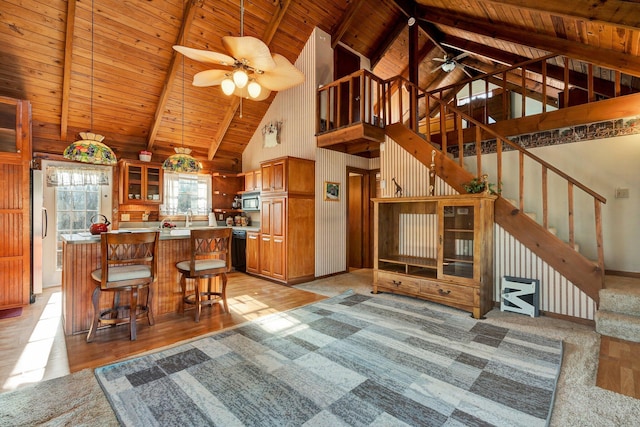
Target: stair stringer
x,y
582,272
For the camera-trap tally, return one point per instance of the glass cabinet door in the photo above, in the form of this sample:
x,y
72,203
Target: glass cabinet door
x,y
153,184
134,180
458,240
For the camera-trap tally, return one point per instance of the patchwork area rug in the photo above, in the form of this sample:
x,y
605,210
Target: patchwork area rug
x,y
351,360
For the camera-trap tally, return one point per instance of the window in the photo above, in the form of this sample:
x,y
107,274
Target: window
x,y
186,191
75,206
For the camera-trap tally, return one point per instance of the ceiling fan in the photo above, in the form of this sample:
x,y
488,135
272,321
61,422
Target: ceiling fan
x,y
248,71
450,63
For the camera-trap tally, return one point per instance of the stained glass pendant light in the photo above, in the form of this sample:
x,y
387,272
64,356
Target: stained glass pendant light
x,y
182,161
90,148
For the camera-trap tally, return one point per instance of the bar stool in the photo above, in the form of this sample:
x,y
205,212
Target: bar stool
x,y
128,264
210,257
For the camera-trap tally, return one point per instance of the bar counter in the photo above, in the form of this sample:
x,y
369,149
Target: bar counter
x,y
81,255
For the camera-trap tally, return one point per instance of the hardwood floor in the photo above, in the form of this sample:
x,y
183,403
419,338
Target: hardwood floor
x,y
34,348
619,366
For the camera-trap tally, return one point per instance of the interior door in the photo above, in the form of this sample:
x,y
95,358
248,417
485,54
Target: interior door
x,y
360,189
345,63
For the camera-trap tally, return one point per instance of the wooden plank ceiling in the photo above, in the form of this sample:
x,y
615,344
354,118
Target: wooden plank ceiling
x,y
108,65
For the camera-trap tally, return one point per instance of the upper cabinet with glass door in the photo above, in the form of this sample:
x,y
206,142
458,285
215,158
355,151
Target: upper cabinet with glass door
x,y
14,128
140,182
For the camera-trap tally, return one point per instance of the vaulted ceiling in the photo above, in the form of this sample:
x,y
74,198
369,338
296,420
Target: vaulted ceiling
x,y
109,66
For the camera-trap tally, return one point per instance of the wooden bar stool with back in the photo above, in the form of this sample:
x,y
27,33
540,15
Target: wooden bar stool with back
x,y
128,264
210,258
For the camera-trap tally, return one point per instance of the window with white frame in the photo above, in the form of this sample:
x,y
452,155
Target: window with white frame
x,y
186,191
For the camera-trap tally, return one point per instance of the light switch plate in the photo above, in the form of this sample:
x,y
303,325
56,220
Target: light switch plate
x,y
124,217
622,193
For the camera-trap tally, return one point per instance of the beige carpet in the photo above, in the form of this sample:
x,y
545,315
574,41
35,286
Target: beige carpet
x,y
78,400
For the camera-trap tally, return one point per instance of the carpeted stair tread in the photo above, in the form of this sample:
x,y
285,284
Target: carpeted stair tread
x,y
618,325
624,300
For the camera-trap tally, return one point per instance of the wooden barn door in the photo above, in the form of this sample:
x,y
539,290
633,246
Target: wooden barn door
x,y
15,244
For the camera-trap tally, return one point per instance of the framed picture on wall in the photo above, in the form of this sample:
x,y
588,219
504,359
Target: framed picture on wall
x,y
332,191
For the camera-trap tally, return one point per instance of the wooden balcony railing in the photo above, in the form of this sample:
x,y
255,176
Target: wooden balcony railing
x,y
355,98
551,80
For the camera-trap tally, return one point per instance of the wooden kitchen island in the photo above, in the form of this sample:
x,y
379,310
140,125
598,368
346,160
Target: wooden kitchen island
x,y
81,255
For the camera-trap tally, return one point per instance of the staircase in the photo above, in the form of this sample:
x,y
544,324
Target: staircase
x,y
619,312
447,138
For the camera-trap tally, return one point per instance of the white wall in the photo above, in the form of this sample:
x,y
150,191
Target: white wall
x,y
296,108
602,165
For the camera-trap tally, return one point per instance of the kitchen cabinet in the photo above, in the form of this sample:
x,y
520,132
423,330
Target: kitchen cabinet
x,y
253,252
436,248
288,174
253,181
287,221
15,157
140,182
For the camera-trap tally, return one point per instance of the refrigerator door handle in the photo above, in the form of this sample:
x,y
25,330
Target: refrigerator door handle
x,y
45,223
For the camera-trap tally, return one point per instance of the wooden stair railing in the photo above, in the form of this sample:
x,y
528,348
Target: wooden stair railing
x,y
591,277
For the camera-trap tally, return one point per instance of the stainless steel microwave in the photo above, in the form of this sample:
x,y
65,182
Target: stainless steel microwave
x,y
251,202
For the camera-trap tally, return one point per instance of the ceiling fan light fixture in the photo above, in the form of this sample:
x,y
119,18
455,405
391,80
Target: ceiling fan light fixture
x,y
227,86
240,78
448,66
254,89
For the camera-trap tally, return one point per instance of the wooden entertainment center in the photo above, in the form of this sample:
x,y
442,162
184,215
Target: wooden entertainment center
x,y
437,248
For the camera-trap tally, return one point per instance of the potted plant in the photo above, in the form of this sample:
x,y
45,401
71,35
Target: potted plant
x,y
145,156
480,185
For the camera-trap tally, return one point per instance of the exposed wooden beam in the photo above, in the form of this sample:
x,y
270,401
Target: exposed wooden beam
x,y
620,13
345,23
604,57
390,36
269,32
601,86
66,74
174,65
477,49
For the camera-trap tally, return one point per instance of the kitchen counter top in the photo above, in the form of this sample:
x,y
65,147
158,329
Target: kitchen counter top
x,y
165,234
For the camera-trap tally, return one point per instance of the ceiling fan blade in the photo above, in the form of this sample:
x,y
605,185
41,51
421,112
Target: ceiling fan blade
x,y
284,76
462,55
251,49
439,59
209,78
244,93
205,55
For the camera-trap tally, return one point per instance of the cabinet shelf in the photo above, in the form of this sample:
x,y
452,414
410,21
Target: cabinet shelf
x,y
458,230
410,260
459,258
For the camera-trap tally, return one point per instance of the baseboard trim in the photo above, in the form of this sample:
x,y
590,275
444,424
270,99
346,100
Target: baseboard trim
x,y
622,273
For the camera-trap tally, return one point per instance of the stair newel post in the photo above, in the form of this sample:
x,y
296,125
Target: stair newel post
x,y
545,199
599,247
499,160
521,179
460,139
479,151
524,91
443,126
570,208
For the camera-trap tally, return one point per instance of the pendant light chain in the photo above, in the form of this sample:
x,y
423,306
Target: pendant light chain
x,y
91,91
241,35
